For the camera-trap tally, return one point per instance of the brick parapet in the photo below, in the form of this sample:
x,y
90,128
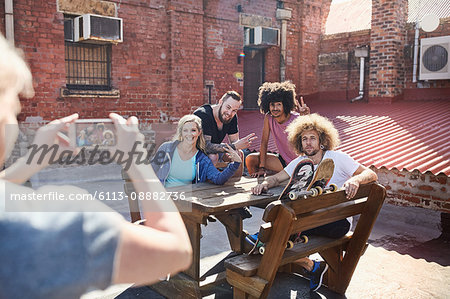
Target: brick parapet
x,y
416,189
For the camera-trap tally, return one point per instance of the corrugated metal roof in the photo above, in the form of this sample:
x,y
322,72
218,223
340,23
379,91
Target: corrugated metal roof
x,y
402,135
355,15
417,9
349,16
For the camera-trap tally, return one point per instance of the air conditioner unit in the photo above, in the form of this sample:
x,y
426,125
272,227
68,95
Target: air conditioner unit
x,y
261,37
98,29
434,58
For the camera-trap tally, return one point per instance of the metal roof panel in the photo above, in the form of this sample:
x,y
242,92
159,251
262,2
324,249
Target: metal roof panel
x,y
403,135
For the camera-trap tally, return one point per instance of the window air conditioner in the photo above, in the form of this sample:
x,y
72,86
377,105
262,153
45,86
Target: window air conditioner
x,y
261,37
97,29
434,58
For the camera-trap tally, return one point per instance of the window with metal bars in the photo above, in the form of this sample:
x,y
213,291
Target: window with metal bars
x,y
88,66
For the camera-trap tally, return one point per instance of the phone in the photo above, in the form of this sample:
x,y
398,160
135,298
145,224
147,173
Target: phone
x,y
92,132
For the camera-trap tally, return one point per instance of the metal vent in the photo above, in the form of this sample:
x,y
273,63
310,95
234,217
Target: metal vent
x,y
435,58
434,64
261,37
98,29
105,28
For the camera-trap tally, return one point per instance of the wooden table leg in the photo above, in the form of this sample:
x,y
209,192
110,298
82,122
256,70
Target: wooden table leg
x,y
333,257
234,227
194,231
180,286
185,285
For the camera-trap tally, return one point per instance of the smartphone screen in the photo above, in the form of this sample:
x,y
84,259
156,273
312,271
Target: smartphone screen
x,y
92,132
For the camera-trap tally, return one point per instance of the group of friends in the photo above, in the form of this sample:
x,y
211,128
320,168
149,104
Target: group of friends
x,y
95,134
52,255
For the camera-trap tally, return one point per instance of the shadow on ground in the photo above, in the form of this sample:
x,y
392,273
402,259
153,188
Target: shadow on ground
x,y
436,250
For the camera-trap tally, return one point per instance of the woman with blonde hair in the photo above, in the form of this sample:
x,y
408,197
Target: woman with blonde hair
x,y
183,160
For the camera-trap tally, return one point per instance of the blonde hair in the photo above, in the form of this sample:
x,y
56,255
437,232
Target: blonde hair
x,y
14,72
328,135
201,143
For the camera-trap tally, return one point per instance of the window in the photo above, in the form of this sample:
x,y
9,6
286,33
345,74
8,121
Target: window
x,y
88,66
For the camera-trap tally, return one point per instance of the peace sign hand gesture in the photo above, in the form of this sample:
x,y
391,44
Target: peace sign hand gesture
x,y
303,109
233,154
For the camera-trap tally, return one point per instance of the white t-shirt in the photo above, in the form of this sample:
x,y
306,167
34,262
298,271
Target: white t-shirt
x,y
344,166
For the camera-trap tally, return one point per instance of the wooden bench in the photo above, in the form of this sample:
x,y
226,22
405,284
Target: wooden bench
x,y
252,275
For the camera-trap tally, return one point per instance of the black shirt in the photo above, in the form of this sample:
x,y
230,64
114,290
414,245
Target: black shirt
x,y
209,124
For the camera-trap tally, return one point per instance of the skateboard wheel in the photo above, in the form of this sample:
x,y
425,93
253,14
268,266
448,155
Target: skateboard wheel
x,y
333,187
292,195
314,192
304,239
319,190
262,250
289,244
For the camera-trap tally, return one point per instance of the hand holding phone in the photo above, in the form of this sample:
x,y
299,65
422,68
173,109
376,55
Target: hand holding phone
x,y
93,132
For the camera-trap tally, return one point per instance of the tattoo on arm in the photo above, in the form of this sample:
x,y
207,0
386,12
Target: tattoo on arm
x,y
213,148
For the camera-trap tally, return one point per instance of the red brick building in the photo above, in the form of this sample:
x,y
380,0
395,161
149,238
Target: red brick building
x,y
177,55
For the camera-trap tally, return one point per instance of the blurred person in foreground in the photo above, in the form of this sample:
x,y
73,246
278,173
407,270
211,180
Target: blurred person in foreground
x,y
63,254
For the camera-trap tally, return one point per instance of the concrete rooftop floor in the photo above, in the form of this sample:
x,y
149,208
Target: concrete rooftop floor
x,y
406,257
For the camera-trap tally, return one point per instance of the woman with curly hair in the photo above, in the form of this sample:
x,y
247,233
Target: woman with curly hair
x,y
314,137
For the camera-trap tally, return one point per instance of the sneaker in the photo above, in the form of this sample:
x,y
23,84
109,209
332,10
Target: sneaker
x,y
317,273
252,239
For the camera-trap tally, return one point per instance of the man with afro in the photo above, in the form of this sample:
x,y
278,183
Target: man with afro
x,y
314,137
277,102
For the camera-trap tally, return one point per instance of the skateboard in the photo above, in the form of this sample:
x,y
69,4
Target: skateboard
x,y
260,247
318,183
301,178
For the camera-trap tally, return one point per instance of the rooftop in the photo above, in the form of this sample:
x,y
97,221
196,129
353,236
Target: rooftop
x,y
355,15
406,135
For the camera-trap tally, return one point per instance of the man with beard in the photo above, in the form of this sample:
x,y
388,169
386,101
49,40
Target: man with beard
x,y
314,137
277,101
220,120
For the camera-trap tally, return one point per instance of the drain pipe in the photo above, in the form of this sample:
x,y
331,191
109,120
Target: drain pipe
x,y
283,15
9,21
361,81
361,52
416,53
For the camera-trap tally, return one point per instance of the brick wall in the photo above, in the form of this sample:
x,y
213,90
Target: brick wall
x,y
416,189
171,51
387,38
433,89
311,16
338,68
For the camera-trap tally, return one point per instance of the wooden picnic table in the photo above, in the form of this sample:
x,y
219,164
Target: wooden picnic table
x,y
221,202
